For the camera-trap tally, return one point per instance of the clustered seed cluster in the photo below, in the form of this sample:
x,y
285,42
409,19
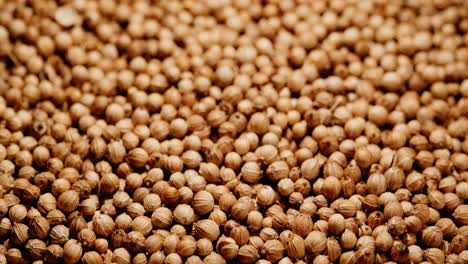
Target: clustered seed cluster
x,y
234,131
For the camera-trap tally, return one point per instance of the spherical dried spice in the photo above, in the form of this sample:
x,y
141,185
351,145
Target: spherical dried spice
x,y
184,214
251,172
206,229
68,201
256,132
203,202
162,217
103,225
72,251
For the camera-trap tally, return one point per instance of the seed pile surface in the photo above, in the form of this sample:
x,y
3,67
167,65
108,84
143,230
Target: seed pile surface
x,y
234,131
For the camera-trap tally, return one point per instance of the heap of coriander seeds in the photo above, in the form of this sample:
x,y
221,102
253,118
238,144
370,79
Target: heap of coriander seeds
x,y
234,131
